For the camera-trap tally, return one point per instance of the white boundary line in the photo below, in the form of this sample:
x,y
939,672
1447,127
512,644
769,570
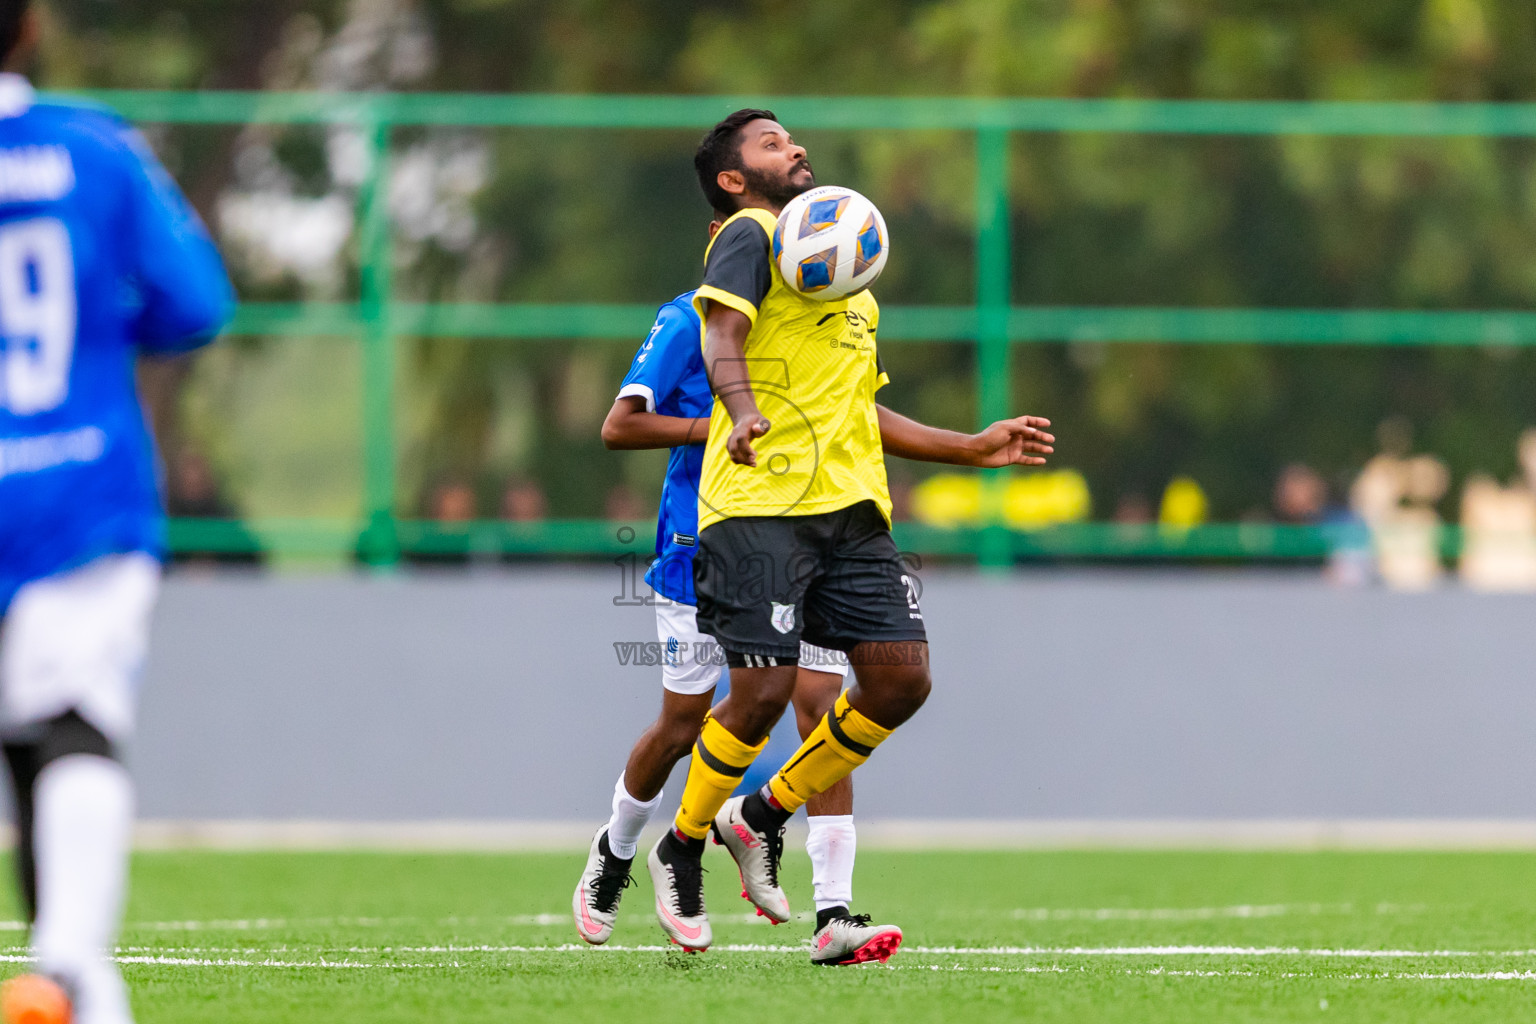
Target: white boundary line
x,y
219,958
890,834
16,953
562,918
1162,972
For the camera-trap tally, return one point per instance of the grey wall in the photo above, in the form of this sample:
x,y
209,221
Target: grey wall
x,y
1114,695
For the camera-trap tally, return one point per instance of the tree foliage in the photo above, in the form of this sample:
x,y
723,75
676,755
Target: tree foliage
x,y
1111,220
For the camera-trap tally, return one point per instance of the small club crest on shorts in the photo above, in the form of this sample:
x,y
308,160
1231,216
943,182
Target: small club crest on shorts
x,y
782,617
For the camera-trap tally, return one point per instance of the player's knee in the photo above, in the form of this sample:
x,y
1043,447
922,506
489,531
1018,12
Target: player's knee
x,y
807,720
918,690
69,734
677,736
910,691
813,697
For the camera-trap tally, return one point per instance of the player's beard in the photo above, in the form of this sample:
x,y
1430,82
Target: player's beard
x,y
777,190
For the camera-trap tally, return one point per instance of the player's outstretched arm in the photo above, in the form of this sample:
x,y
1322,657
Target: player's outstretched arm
x,y
725,360
629,426
1021,441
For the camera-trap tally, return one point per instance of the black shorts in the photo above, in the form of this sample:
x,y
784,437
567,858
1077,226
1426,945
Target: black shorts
x,y
834,579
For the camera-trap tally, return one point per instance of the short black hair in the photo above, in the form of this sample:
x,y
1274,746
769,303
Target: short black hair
x,y
11,12
721,151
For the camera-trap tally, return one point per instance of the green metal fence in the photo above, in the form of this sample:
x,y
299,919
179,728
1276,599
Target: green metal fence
x,y
992,324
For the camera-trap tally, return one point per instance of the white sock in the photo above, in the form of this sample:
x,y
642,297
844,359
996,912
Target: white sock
x,y
630,816
832,843
82,827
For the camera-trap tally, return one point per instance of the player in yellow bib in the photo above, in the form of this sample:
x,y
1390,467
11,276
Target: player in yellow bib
x,y
812,369
794,539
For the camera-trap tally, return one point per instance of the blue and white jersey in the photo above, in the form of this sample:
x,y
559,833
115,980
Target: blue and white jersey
x,y
668,372
101,257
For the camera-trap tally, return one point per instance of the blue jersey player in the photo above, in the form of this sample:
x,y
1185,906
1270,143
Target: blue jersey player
x,y
665,401
101,259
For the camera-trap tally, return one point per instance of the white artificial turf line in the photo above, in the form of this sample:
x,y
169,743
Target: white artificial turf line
x,y
561,918
558,919
1154,914
1162,972
182,961
1148,972
270,923
1086,951
1248,951
1242,911
18,953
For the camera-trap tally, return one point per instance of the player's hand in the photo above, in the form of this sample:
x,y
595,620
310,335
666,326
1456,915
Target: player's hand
x,y
1021,441
739,444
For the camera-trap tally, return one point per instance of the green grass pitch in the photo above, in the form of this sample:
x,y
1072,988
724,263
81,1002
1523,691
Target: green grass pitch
x,y
1105,936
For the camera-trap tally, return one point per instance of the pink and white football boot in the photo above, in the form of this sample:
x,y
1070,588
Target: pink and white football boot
x,y
595,904
758,849
849,939
677,875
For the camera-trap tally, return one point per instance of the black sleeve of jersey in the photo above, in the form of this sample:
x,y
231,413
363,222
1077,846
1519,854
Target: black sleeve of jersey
x,y
738,262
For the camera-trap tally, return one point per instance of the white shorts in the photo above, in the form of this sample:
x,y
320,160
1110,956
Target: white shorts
x,y
77,641
692,662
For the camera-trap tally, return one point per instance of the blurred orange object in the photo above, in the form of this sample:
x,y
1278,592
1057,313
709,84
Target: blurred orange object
x,y
33,999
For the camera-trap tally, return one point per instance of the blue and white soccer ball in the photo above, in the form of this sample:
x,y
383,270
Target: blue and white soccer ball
x,y
831,242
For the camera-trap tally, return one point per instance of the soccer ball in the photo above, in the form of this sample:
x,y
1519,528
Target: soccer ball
x,y
830,243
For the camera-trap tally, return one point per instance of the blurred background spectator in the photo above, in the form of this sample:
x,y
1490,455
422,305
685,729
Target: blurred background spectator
x,y
1133,509
1302,498
192,489
623,505
1184,505
451,505
193,492
452,501
1396,496
523,501
1499,526
1301,494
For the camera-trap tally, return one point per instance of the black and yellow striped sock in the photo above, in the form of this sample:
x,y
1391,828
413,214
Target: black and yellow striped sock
x,y
719,762
841,742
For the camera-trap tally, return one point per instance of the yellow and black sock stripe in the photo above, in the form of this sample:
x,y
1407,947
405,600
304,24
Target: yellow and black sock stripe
x,y
719,762
841,741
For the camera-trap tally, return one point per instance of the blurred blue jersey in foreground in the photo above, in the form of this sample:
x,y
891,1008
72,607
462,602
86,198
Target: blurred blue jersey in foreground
x,y
100,258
